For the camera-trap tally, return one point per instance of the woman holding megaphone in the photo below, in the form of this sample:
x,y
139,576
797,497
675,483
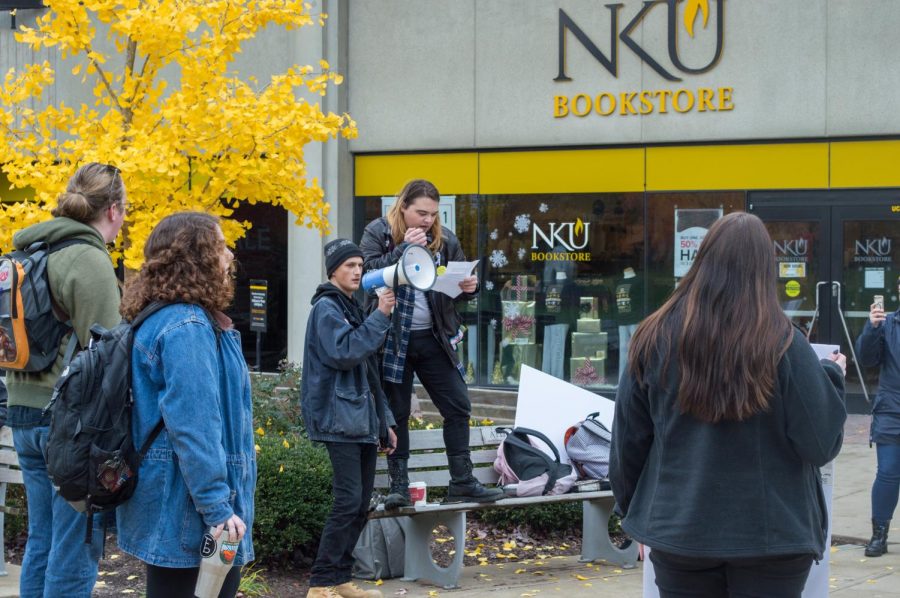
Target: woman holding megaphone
x,y
424,341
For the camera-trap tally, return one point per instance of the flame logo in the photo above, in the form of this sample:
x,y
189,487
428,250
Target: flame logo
x,y
802,247
690,14
884,246
579,227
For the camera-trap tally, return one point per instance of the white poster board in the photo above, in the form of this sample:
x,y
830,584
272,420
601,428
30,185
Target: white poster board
x,y
550,405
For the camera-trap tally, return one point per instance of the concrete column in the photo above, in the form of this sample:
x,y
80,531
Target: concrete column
x,y
330,163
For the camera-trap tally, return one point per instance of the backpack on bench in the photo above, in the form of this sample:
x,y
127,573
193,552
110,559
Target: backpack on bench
x,y
587,444
519,461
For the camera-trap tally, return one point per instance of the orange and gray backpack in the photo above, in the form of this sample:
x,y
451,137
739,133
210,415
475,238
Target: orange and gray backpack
x,y
30,331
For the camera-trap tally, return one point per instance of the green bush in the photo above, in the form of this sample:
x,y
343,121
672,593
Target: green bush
x,y
541,519
293,498
276,401
15,526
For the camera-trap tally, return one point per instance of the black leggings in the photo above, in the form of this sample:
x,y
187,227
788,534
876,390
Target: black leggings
x,y
169,582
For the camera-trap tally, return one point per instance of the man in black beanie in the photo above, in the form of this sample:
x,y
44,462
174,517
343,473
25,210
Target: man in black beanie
x,y
344,408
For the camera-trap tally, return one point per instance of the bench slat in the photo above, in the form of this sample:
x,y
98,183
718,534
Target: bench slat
x,y
500,504
13,476
434,439
6,438
423,460
440,478
8,457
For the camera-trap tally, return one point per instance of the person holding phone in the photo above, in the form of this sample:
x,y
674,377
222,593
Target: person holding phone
x,y
879,346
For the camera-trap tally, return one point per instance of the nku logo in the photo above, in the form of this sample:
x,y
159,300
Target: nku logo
x,y
692,10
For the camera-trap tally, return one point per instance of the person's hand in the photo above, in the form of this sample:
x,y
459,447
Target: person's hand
x,y
415,236
386,301
235,526
876,315
841,360
392,443
469,284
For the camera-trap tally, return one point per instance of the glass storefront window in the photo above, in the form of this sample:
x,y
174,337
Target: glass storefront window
x,y
562,276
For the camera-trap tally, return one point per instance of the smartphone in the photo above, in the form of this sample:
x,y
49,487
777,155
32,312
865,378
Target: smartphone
x,y
879,301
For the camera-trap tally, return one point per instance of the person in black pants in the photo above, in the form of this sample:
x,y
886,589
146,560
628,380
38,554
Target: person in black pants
x,y
344,408
423,340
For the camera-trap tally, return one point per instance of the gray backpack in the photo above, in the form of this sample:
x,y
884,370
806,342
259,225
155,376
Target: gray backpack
x,y
587,444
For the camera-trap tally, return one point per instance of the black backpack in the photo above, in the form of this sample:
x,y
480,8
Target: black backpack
x,y
30,332
519,461
91,456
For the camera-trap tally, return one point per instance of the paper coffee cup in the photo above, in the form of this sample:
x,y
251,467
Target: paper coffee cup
x,y
418,493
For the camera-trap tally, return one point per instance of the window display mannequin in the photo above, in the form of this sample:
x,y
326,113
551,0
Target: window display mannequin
x,y
629,311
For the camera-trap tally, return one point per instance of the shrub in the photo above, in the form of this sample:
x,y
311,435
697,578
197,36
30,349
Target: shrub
x,y
276,400
541,519
293,498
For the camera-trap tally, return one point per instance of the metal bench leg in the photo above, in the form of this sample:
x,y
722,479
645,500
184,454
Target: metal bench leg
x,y
595,541
418,563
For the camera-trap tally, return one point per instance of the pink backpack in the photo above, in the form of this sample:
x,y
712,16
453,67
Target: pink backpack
x,y
521,462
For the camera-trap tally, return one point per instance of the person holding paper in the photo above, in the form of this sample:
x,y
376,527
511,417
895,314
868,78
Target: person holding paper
x,y
423,340
723,418
879,346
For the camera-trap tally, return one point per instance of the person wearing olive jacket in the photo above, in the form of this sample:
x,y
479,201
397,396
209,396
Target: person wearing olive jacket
x,y
344,408
879,345
719,434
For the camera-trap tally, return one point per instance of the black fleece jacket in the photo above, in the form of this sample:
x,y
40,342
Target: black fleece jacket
x,y
730,489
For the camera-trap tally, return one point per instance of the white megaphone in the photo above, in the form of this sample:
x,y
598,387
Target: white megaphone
x,y
415,268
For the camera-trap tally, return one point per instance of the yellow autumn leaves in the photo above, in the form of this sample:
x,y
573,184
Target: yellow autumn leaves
x,y
201,138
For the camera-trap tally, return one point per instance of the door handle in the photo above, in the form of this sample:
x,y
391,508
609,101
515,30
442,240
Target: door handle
x,y
836,288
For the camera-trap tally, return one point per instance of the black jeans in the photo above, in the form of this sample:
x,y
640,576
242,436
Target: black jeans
x,y
354,475
767,577
426,358
168,582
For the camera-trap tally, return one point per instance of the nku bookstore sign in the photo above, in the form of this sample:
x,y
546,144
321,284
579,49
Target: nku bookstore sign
x,y
643,102
563,239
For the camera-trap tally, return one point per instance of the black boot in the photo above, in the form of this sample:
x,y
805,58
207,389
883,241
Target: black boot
x,y
877,546
398,494
463,485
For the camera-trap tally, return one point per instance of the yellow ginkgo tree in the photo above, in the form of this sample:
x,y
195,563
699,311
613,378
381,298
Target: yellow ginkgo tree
x,y
186,130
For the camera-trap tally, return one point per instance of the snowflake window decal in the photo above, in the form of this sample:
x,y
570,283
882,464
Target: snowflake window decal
x,y
489,285
522,223
544,208
494,234
498,258
521,253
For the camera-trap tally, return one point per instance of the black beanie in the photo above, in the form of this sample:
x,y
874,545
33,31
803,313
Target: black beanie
x,y
337,252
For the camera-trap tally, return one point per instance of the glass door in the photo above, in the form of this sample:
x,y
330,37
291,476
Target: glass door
x,y
835,251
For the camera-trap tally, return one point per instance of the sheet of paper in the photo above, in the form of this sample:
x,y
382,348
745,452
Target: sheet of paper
x,y
824,351
448,282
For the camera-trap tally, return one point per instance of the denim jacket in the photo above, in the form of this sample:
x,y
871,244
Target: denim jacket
x,y
881,347
202,468
336,401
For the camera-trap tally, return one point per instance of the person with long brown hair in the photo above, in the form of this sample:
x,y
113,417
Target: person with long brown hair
x,y
189,374
430,328
722,421
84,289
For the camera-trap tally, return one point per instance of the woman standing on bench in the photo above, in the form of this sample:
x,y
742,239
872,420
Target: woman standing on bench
x,y
430,330
722,422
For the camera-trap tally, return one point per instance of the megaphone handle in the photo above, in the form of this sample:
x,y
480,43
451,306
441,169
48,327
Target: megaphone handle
x,y
381,291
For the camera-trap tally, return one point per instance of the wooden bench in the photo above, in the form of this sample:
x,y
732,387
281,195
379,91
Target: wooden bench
x,y
428,463
9,474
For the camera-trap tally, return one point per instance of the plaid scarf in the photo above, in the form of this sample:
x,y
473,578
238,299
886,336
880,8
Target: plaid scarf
x,y
398,340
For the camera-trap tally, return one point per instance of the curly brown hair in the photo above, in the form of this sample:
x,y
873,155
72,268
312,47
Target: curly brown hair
x,y
182,265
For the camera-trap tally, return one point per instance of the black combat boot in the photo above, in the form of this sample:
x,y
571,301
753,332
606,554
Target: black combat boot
x,y
877,546
398,494
463,485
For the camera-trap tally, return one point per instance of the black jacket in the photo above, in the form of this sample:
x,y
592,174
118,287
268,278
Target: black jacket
x,y
341,396
731,489
379,251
